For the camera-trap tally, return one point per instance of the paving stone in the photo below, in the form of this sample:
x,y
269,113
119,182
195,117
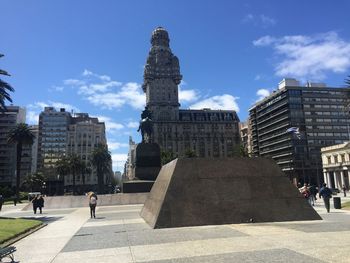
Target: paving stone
x,y
160,236
268,256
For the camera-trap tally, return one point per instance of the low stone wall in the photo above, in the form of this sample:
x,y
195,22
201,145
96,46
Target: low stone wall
x,y
55,202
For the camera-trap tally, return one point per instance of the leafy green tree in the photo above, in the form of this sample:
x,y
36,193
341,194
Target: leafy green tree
x,y
20,135
34,182
71,164
62,166
101,159
5,88
167,156
189,153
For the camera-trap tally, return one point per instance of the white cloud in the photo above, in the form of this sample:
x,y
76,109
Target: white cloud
x,y
87,73
37,107
248,18
73,82
57,105
259,20
32,117
111,126
262,93
56,88
133,124
102,91
112,145
129,94
133,95
309,57
267,21
223,102
187,95
118,160
97,87
264,41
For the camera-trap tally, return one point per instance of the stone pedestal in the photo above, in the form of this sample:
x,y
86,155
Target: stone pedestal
x,y
204,191
147,167
148,161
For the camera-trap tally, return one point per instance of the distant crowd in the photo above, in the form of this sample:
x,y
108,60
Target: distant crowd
x,y
310,193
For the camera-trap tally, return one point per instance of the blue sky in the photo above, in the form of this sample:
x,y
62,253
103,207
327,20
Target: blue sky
x,y
89,55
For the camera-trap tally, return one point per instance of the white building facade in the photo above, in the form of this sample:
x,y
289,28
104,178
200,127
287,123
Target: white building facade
x,y
336,165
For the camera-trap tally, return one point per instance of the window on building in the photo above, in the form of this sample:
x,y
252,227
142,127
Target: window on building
x,y
329,160
335,158
343,158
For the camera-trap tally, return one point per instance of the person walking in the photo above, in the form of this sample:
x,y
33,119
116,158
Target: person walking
x,y
326,194
35,204
313,193
344,190
40,203
92,204
306,193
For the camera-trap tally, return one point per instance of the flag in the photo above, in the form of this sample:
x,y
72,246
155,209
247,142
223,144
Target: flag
x,y
294,130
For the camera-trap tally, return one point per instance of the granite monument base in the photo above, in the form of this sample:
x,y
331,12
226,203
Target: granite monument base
x,y
137,186
148,162
203,191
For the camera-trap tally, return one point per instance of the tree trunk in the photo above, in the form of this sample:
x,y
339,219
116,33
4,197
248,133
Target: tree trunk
x,y
83,176
73,172
18,169
100,179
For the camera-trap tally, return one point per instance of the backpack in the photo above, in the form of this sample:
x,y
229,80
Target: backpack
x,y
93,200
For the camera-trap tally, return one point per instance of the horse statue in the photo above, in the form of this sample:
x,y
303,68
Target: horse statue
x,y
146,126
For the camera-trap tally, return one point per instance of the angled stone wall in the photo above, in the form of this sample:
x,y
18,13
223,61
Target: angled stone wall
x,y
206,191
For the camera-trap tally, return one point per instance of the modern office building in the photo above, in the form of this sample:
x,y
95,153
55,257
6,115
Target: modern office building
x,y
61,134
208,133
317,111
336,165
34,151
8,120
52,145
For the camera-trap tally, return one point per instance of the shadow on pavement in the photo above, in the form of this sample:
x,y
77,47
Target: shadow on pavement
x,y
44,219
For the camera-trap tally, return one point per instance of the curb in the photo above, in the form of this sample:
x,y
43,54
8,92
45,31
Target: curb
x,y
22,235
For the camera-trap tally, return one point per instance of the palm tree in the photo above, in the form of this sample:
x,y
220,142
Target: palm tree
x,y
84,170
4,89
34,182
71,164
20,135
101,159
75,165
62,166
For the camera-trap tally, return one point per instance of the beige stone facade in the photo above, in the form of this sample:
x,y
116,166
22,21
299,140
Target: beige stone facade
x,y
336,165
84,134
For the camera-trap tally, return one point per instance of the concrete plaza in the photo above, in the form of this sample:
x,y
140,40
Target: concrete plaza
x,y
119,234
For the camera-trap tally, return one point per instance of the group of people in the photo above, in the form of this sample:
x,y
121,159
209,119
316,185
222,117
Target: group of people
x,y
310,193
38,202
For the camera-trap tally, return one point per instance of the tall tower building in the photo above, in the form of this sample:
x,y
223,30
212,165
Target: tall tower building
x,y
318,112
161,78
208,133
8,120
52,145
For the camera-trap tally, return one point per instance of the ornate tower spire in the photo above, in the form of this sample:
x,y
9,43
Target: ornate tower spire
x,y
161,78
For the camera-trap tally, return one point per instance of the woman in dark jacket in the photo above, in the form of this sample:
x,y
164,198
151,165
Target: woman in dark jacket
x,y
40,203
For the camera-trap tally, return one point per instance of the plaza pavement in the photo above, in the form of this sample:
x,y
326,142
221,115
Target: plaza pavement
x,y
119,234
